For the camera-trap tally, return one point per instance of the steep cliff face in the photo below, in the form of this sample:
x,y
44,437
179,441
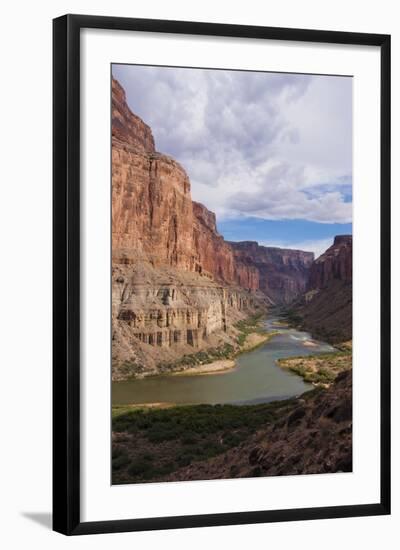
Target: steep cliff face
x,y
151,210
216,256
335,263
162,314
282,273
153,216
326,308
128,128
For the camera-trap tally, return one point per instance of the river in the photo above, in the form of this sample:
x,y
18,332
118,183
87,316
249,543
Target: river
x,y
256,378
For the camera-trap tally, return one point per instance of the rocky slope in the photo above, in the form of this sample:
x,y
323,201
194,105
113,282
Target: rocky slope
x,y
313,436
326,308
161,314
176,282
282,273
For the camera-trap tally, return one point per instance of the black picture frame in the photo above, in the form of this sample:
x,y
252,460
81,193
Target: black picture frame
x,y
66,272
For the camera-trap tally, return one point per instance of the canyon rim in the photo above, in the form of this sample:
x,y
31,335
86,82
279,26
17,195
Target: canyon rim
x,y
231,274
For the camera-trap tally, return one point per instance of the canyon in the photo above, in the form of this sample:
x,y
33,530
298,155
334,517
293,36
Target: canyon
x,y
177,285
183,298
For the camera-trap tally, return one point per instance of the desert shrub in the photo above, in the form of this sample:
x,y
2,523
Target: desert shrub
x,y
139,466
188,440
164,469
120,461
233,440
118,451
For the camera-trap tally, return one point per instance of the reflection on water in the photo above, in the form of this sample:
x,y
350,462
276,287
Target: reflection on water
x,y
256,377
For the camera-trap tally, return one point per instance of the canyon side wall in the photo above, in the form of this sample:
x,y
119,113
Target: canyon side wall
x,y
215,256
283,273
153,216
334,263
326,308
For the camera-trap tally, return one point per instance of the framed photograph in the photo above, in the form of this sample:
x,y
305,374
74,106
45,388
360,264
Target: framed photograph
x,y
221,274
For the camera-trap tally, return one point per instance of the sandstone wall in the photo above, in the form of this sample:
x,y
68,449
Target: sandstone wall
x,y
335,263
282,273
169,315
215,255
128,128
326,308
151,209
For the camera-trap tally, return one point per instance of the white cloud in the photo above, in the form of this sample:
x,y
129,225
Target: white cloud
x,y
253,144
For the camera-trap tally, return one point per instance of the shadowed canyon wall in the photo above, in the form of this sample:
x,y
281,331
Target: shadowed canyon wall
x,y
282,273
326,308
334,263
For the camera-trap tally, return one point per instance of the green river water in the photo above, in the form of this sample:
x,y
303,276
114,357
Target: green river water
x,y
255,379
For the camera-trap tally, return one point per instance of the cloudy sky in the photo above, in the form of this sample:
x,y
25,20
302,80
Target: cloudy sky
x,y
269,153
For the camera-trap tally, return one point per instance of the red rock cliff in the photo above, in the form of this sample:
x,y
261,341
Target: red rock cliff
x,y
126,126
326,307
154,219
153,215
283,273
215,255
334,263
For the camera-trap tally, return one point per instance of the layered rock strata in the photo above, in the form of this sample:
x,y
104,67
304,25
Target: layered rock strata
x,y
216,256
334,263
160,315
282,273
326,308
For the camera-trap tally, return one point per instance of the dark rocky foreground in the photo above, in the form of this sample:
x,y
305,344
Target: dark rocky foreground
x,y
313,437
308,435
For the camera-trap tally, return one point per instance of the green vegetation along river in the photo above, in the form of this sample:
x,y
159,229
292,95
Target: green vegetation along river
x,y
256,378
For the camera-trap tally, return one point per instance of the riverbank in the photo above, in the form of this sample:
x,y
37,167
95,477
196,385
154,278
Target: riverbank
x,y
335,335
249,334
210,368
321,369
150,443
252,341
